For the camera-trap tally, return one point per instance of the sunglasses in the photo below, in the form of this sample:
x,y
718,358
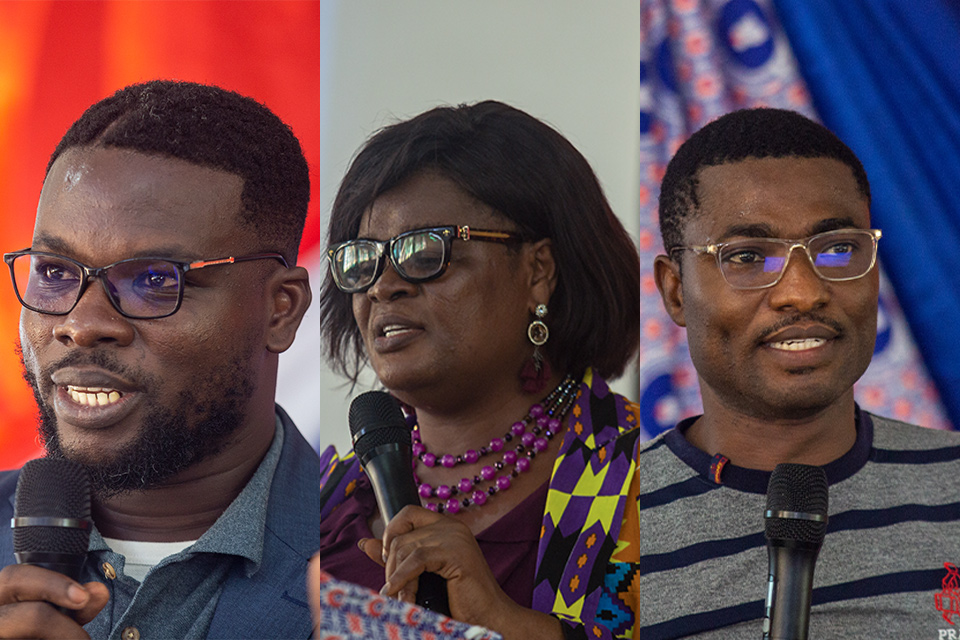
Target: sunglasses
x,y
417,256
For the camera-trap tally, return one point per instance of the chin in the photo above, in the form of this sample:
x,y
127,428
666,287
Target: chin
x,y
796,405
402,377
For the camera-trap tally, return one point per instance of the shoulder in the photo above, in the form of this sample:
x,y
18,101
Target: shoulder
x,y
894,434
8,482
600,416
339,479
8,488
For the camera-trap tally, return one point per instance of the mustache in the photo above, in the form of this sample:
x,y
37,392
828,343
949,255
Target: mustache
x,y
801,318
95,358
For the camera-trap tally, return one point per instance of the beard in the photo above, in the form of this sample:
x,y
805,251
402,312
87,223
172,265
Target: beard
x,y
171,438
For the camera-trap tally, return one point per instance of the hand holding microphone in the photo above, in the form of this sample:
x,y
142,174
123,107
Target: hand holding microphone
x,y
51,532
796,524
381,440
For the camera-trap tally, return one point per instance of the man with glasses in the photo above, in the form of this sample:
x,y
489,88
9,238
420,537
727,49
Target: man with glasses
x,y
158,292
770,265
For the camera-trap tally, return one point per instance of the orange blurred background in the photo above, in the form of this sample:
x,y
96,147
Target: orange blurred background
x,y
57,57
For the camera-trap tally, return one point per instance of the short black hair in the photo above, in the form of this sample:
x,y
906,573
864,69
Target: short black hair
x,y
214,128
747,133
528,172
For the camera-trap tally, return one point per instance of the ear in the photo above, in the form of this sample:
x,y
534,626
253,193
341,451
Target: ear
x,y
543,271
667,274
290,296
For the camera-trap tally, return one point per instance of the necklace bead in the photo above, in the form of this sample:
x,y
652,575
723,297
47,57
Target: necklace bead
x,y
543,420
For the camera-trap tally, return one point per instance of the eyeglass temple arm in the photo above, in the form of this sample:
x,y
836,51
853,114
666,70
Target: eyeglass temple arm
x,y
466,233
230,260
697,248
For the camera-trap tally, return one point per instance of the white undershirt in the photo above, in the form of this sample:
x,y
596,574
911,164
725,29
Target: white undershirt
x,y
140,557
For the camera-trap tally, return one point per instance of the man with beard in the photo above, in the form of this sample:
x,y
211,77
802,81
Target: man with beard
x,y
770,265
158,293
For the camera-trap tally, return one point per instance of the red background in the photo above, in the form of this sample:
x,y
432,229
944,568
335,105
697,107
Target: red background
x,y
57,57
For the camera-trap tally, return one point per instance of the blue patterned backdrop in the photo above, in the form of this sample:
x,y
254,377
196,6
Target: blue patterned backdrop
x,y
702,59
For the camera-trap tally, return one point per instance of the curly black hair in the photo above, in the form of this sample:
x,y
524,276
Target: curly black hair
x,y
528,172
747,133
215,128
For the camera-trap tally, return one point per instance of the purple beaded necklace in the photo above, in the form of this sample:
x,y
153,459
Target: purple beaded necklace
x,y
543,421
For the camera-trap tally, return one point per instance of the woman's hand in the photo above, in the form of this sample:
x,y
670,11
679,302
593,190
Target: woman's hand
x,y
418,540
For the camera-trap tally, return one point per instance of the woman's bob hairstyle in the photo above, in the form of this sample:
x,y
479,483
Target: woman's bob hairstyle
x,y
529,173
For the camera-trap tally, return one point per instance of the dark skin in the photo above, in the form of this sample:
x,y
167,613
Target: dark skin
x,y
103,205
776,366
454,350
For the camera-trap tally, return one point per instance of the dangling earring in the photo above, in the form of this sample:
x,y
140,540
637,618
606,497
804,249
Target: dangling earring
x,y
538,331
536,372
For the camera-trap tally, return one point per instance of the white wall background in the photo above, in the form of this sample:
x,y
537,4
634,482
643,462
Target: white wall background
x,y
571,63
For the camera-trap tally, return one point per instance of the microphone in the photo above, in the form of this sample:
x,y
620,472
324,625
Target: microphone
x,y
796,524
381,441
51,518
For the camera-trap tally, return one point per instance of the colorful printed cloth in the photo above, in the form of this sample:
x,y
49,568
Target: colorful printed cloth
x,y
350,612
586,499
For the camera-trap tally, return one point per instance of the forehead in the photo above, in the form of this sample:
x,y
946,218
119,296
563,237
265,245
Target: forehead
x,y
101,205
424,200
776,197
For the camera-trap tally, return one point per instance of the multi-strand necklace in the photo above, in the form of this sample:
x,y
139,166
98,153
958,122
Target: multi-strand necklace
x,y
533,433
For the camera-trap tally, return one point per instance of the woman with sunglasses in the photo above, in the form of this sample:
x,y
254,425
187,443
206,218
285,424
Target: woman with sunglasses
x,y
477,267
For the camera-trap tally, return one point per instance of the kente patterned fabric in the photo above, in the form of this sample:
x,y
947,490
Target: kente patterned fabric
x,y
586,499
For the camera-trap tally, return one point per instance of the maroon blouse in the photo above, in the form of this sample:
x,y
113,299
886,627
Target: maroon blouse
x,y
509,545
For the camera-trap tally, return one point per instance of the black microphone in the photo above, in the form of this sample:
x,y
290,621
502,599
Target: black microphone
x,y
381,441
796,524
51,518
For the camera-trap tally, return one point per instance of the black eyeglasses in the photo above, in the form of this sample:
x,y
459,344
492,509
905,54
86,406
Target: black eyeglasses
x,y
758,263
417,256
139,288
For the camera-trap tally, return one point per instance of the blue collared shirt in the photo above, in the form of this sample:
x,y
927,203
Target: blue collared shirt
x,y
178,597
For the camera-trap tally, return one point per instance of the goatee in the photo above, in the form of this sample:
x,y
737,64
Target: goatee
x,y
169,440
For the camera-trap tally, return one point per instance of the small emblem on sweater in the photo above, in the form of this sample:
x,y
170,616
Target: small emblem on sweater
x,y
948,600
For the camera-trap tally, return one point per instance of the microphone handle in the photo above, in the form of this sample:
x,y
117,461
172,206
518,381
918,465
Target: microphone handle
x,y
68,564
789,592
391,479
386,470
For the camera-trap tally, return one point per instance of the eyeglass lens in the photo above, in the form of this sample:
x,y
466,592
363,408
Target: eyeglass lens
x,y
139,288
759,262
415,256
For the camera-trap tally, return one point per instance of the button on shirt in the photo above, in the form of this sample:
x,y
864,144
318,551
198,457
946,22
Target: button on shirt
x,y
178,597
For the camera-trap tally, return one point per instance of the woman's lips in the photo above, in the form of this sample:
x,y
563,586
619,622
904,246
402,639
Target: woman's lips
x,y
395,337
392,330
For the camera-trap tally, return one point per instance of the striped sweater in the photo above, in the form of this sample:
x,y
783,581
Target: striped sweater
x,y
691,559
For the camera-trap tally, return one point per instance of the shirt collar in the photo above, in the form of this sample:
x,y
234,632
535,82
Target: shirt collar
x,y
239,531
756,481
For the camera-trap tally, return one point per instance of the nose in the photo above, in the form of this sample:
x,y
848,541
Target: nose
x,y
800,288
390,286
93,321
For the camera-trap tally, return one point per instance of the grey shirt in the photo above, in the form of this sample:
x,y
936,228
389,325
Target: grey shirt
x,y
178,597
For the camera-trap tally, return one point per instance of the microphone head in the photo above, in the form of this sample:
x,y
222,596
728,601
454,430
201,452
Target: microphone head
x,y
51,488
798,489
376,419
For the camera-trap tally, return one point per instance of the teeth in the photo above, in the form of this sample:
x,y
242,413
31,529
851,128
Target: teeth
x,y
93,396
392,329
798,345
